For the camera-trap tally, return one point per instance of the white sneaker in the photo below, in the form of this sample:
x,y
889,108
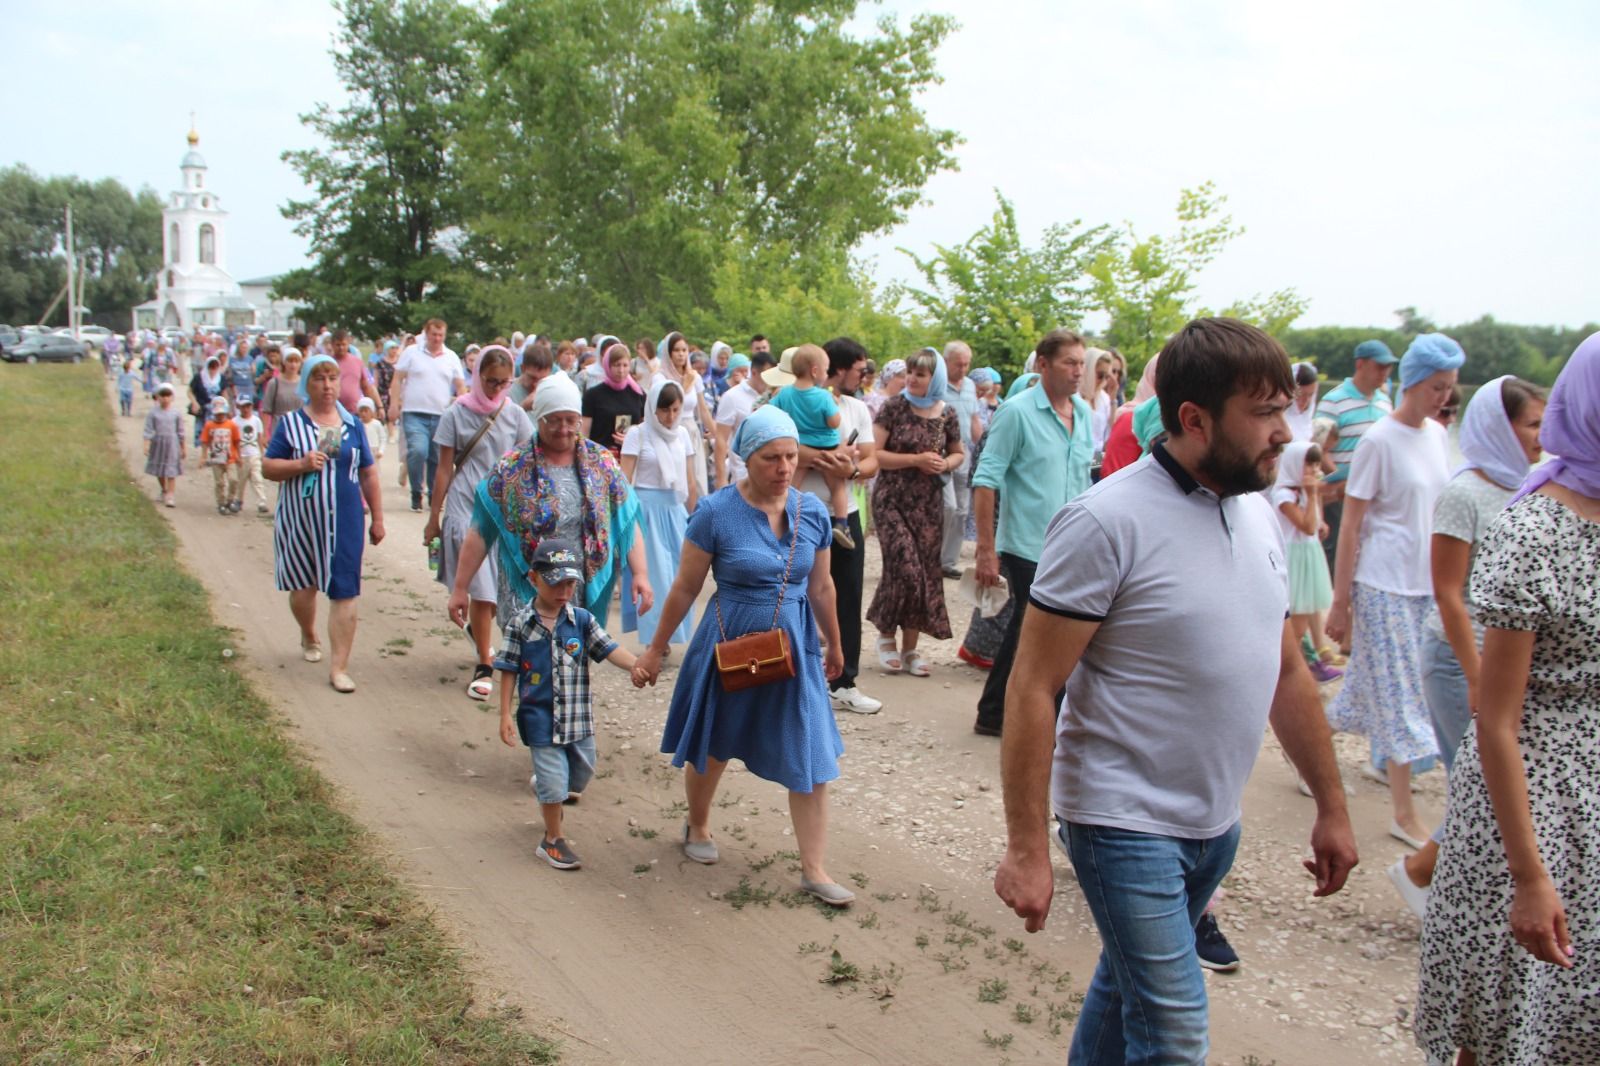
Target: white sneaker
x,y
854,700
1415,897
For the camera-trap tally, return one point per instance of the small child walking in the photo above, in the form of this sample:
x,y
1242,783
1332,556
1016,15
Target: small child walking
x,y
817,417
377,433
1297,498
545,662
250,437
220,439
164,450
127,381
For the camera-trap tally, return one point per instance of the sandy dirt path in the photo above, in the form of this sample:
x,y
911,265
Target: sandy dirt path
x,y
643,957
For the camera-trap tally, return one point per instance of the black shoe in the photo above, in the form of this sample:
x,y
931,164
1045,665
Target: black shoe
x,y
952,573
1212,947
984,729
558,853
416,504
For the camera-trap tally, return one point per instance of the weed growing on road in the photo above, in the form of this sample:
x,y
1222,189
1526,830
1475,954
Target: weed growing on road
x,y
744,894
812,947
1024,1014
1001,1041
993,990
641,867
860,880
181,886
839,971
869,921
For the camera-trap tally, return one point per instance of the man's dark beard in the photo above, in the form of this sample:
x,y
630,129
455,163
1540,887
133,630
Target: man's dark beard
x,y
1234,471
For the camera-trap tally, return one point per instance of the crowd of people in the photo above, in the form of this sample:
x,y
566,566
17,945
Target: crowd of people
x,y
1154,579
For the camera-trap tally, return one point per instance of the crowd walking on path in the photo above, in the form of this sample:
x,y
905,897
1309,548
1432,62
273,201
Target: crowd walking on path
x,y
1153,582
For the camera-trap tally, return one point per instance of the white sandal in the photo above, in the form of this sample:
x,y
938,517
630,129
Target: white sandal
x,y
481,687
889,655
915,665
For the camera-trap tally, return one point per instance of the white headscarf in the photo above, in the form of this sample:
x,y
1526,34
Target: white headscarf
x,y
666,445
1488,442
556,393
1292,465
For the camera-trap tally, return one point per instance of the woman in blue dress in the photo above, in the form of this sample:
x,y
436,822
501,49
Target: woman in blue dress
x,y
319,457
748,536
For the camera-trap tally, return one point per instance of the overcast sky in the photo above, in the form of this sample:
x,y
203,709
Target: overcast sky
x,y
1379,154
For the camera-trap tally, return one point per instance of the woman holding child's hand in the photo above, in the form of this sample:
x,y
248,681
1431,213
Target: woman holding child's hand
x,y
763,540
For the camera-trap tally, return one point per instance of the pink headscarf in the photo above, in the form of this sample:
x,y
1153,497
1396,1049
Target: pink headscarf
x,y
625,382
476,399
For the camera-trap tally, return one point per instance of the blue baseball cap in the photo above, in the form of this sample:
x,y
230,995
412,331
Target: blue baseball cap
x,y
1377,351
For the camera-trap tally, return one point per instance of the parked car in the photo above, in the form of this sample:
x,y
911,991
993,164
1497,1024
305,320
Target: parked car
x,y
280,337
9,337
93,336
46,348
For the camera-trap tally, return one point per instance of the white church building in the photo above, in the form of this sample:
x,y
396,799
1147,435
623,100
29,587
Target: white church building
x,y
194,287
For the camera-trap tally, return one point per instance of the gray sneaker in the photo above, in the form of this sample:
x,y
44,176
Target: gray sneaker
x,y
701,851
558,853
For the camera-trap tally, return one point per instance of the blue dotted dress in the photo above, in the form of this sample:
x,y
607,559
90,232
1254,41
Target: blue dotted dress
x,y
784,731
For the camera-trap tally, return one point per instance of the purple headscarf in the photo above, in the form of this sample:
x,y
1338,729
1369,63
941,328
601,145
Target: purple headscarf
x,y
1571,427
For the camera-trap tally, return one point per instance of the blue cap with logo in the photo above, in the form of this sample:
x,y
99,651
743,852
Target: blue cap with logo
x,y
558,560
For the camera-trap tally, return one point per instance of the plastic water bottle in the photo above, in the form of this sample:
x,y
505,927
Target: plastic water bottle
x,y
433,554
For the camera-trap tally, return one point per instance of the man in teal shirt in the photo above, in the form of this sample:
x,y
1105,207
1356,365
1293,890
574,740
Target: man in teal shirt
x,y
1036,455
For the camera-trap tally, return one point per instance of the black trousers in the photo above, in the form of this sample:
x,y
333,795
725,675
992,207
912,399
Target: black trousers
x,y
849,572
1332,513
1019,573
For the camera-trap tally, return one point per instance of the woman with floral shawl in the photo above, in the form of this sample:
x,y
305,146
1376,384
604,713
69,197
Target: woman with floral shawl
x,y
557,485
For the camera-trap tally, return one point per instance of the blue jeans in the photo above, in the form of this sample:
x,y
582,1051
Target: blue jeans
x,y
1147,1001
1444,686
422,454
559,769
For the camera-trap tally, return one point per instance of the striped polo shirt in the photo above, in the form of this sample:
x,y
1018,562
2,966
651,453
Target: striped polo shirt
x,y
1354,412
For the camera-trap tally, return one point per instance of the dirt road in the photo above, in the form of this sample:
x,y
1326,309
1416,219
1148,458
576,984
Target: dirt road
x,y
645,958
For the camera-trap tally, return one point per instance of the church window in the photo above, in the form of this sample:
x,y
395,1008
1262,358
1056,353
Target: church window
x,y
171,279
208,244
172,243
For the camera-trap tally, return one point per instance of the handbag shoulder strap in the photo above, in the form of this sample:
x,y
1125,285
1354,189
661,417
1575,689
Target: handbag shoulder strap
x,y
461,456
788,566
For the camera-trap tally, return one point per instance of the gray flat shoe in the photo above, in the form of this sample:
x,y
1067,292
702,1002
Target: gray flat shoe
x,y
828,892
701,851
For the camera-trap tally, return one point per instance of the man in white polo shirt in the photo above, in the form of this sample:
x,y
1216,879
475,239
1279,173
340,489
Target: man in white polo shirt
x,y
1161,603
427,379
733,408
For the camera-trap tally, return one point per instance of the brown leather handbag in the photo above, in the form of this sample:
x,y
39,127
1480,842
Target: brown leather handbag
x,y
758,658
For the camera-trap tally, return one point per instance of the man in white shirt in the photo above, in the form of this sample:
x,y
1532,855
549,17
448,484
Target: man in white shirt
x,y
963,400
1161,603
855,458
734,407
427,380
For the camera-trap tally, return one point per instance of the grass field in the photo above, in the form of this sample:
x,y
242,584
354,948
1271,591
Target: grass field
x,y
178,885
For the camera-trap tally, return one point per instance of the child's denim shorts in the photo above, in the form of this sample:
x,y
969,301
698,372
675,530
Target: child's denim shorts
x,y
562,768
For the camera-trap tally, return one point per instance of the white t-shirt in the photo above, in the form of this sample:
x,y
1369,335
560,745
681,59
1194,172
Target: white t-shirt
x,y
647,474
249,436
1100,419
734,407
1165,711
1292,534
853,416
1401,472
430,380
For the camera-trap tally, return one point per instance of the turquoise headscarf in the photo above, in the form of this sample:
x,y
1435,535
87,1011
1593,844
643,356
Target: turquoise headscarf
x,y
764,426
738,362
936,388
1021,385
1429,354
305,375
1147,423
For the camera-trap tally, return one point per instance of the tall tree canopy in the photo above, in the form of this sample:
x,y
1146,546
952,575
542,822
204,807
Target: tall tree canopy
x,y
116,234
624,149
386,190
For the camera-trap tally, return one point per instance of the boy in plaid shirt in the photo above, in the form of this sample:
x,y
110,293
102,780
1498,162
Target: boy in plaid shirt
x,y
546,662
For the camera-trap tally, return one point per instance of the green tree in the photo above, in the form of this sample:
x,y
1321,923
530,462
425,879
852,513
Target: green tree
x,y
999,295
624,150
1146,283
116,235
386,190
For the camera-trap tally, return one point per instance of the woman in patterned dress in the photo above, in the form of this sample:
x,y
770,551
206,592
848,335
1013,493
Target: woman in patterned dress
x,y
919,446
319,455
1510,960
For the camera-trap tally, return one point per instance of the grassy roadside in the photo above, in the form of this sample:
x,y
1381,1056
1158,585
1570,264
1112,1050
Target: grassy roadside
x,y
178,884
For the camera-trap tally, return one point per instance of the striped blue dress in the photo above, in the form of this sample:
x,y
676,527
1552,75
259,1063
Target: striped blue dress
x,y
319,527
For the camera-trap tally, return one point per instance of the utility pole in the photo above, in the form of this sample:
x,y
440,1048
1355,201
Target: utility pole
x,y
72,290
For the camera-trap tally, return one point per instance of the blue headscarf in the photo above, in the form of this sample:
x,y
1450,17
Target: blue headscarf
x,y
1489,442
1021,385
936,388
738,362
1429,354
765,425
305,375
